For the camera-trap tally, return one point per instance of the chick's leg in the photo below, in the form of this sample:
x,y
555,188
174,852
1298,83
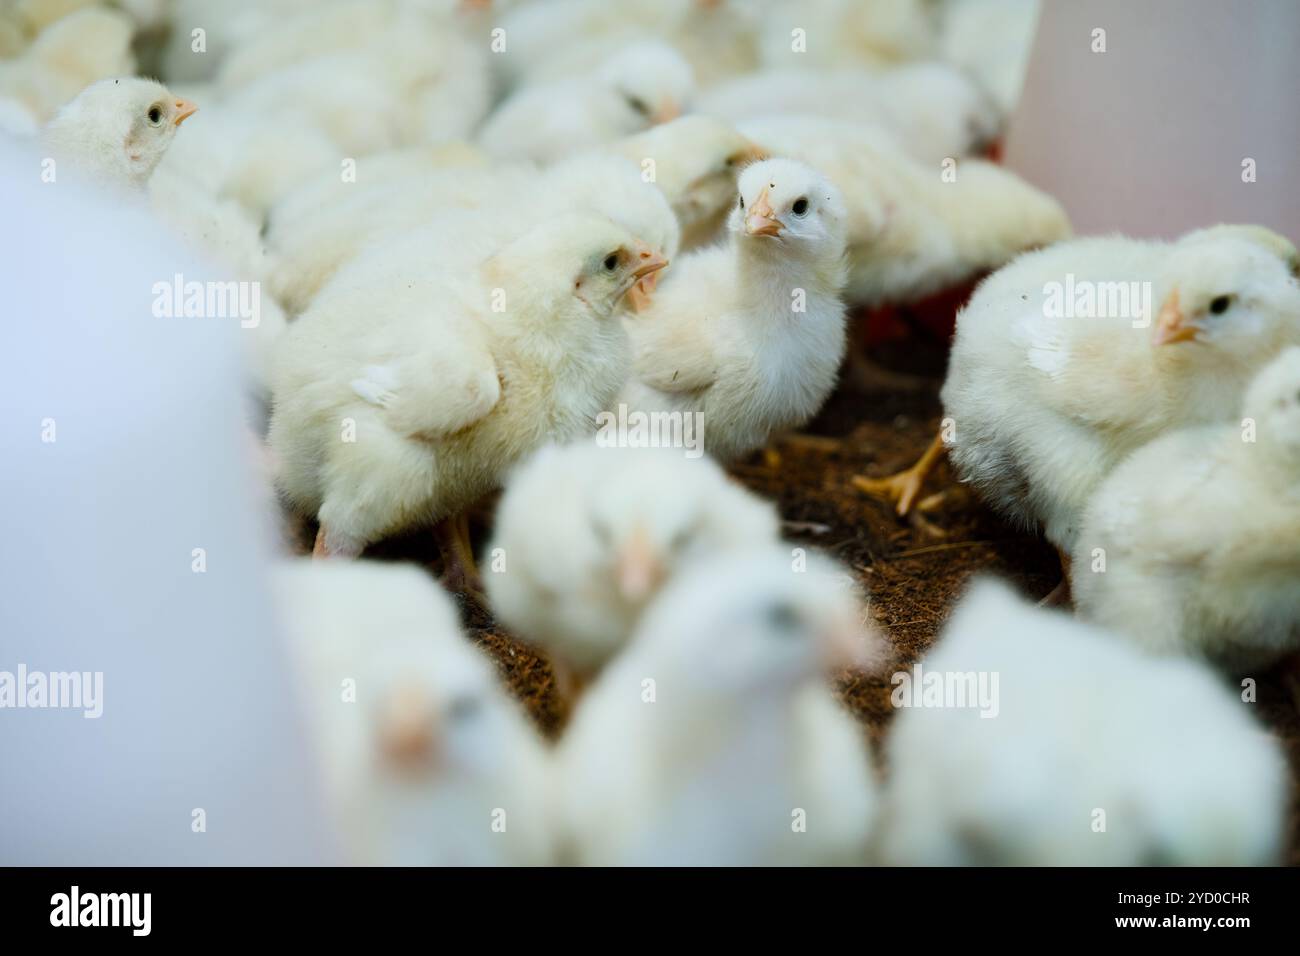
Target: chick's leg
x,y
459,569
902,488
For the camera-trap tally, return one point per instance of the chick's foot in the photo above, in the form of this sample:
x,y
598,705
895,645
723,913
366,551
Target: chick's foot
x,y
902,488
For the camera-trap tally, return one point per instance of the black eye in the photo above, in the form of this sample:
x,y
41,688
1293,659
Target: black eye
x,y
782,617
464,707
611,262
637,103
800,207
1220,304
742,202
155,114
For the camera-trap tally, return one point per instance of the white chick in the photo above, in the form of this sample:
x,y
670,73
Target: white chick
x,y
750,335
912,231
1092,754
933,110
427,762
846,33
713,739
589,534
459,216
1046,402
1190,545
991,39
443,381
204,33
634,88
71,54
115,132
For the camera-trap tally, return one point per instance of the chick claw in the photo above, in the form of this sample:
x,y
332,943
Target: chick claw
x,y
900,489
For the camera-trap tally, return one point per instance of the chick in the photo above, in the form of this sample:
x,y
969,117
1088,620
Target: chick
x,y
71,54
1045,402
1190,545
1093,754
458,216
589,534
750,335
991,39
427,762
933,110
400,400
636,87
115,132
713,739
912,231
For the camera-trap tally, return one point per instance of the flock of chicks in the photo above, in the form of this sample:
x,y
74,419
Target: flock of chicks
x,y
482,225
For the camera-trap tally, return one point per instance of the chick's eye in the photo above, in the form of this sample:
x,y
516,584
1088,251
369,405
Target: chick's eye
x,y
1220,304
742,202
800,207
637,103
155,114
783,618
464,707
611,262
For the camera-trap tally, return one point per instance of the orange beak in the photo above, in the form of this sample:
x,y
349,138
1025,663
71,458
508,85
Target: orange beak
x,y
1171,324
184,110
639,570
407,735
760,220
647,276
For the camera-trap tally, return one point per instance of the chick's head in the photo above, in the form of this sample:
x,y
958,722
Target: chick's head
x,y
130,122
792,207
649,83
570,265
758,623
1227,297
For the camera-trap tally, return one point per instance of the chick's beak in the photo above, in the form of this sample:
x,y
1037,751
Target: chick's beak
x,y
407,734
184,110
639,570
645,276
1172,324
760,219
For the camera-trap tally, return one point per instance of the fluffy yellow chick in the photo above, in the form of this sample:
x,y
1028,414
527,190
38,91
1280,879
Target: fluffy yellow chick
x,y
399,403
1190,546
1072,357
587,534
115,132
634,88
427,761
912,230
457,217
750,335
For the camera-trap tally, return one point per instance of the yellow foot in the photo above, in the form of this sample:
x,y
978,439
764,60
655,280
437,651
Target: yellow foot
x,y
899,490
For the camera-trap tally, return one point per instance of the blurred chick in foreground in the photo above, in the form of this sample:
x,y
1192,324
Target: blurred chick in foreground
x,y
713,739
636,87
398,404
1045,402
750,334
427,761
1197,534
589,534
1096,755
